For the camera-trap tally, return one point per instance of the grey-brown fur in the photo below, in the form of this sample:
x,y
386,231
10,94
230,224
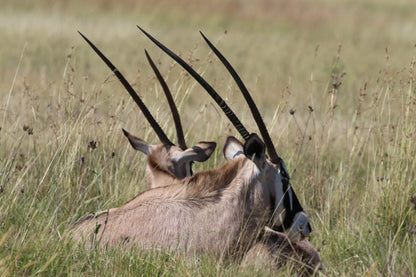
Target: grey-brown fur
x,y
275,250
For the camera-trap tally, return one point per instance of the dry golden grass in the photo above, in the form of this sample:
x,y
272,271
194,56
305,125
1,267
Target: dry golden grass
x,y
344,68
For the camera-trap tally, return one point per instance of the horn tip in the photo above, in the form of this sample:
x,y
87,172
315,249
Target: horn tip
x,y
202,34
140,28
125,132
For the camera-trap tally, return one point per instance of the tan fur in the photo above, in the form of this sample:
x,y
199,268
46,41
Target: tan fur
x,y
220,211
160,169
166,162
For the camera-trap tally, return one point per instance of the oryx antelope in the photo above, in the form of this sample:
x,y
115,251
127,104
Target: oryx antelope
x,y
288,214
166,161
275,244
222,211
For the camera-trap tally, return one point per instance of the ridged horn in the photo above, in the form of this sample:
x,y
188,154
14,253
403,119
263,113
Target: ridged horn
x,y
159,132
173,109
290,198
271,150
227,110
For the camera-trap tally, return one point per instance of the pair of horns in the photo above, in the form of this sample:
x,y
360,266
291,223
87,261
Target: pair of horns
x,y
290,199
274,157
175,114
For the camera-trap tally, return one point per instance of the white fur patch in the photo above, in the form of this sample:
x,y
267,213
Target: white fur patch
x,y
232,148
257,171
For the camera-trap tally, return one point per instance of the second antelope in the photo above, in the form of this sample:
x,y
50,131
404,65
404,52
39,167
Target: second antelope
x,y
166,161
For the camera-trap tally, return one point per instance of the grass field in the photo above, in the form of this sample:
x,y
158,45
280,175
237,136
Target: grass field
x,y
333,79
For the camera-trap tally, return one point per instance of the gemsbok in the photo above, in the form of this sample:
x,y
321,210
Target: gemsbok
x,y
166,161
275,247
288,216
222,211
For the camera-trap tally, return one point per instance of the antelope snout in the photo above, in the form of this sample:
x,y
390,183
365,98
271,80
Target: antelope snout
x,y
300,228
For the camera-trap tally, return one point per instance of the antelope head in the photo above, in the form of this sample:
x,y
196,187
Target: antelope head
x,y
288,215
165,161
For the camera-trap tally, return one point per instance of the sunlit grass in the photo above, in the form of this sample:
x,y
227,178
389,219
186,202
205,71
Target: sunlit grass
x,y
335,84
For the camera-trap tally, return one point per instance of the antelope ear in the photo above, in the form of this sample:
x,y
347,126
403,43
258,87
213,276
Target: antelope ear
x,y
138,144
254,148
204,150
200,152
232,148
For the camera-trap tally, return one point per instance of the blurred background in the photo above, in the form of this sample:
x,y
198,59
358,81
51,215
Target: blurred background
x,y
288,52
283,49
334,80
283,36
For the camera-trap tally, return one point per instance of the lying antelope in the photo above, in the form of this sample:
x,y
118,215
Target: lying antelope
x,y
275,247
219,211
166,161
289,215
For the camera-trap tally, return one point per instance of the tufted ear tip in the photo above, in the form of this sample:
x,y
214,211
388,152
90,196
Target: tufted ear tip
x,y
138,144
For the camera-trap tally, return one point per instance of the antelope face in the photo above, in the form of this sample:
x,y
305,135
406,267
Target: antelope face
x,y
169,162
287,214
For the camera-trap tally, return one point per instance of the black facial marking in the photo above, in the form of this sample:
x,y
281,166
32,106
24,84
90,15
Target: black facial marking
x,y
290,213
254,146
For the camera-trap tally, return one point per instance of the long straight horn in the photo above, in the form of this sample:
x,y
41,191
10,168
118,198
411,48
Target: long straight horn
x,y
227,110
290,198
271,150
173,109
159,132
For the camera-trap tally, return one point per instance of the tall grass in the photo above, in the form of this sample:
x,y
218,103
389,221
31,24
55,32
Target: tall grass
x,y
335,84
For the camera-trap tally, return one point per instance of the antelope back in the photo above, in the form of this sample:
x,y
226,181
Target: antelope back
x,y
221,211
